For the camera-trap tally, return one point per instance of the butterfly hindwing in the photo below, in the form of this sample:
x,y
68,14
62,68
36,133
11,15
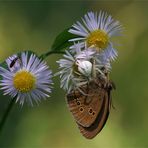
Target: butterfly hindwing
x,y
85,108
91,131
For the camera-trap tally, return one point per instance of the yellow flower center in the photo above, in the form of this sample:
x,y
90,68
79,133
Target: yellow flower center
x,y
97,38
24,81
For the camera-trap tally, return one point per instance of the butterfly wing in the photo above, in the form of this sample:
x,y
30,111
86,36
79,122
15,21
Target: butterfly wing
x,y
91,131
85,108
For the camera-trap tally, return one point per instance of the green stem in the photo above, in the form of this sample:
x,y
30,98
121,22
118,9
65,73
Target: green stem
x,y
43,56
5,116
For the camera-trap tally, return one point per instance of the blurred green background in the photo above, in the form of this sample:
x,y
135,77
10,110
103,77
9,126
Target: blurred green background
x,y
34,25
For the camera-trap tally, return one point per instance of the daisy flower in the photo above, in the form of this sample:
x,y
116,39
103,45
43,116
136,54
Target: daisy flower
x,y
96,30
77,69
26,77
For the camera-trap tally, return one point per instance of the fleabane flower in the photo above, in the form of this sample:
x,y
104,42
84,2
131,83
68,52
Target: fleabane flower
x,y
27,78
77,68
96,30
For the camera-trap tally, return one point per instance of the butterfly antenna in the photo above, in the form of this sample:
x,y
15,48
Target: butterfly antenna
x,y
93,69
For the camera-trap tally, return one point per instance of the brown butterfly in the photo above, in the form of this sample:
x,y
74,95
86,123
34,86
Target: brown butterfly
x,y
91,111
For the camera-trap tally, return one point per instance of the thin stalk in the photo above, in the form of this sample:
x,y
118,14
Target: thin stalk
x,y
43,56
5,116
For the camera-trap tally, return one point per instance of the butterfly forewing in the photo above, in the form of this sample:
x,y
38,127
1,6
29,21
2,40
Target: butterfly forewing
x,y
85,108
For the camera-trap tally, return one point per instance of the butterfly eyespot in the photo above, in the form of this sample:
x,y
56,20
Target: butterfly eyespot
x,y
81,109
78,103
93,113
90,110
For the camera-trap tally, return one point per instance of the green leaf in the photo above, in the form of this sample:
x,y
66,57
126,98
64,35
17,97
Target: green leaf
x,y
4,65
61,41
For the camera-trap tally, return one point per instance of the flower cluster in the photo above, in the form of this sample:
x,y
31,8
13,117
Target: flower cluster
x,y
92,52
27,78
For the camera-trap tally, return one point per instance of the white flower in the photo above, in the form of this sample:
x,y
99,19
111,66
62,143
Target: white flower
x,y
102,59
77,68
78,53
96,31
66,70
27,78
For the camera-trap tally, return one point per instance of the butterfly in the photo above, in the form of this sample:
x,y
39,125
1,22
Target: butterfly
x,y
91,111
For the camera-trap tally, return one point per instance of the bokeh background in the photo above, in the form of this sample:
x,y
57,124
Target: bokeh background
x,y
34,25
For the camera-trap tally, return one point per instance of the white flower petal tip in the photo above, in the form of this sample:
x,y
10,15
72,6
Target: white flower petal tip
x,y
27,78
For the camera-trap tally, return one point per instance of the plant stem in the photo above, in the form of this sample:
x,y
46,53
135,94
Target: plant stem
x,y
43,56
5,116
